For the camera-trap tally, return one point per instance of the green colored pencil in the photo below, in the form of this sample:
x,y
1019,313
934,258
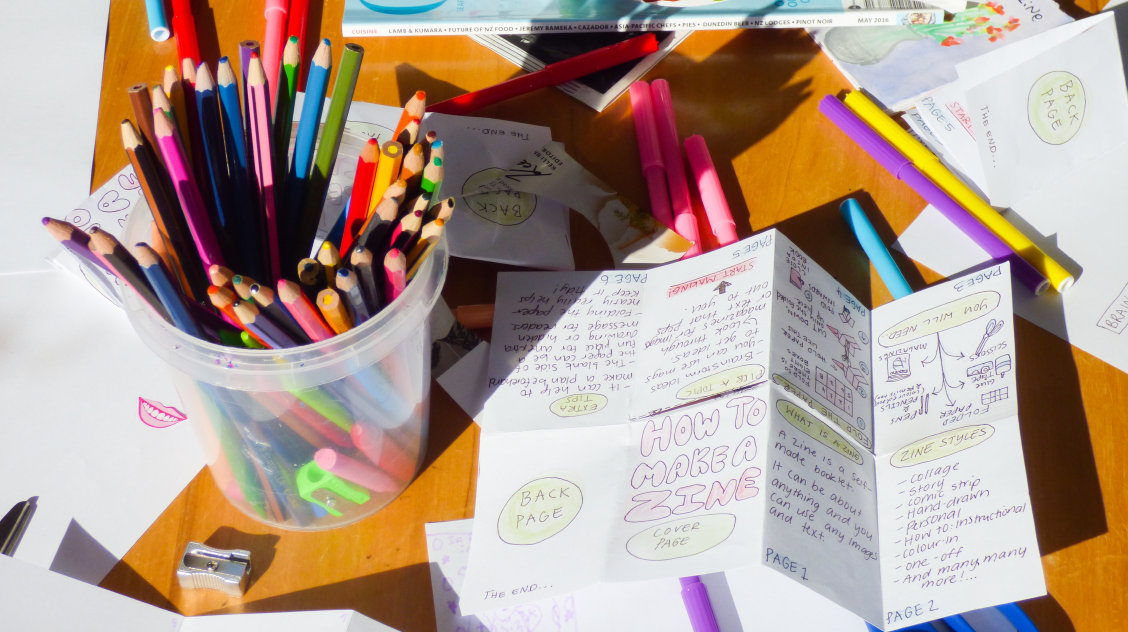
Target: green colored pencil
x,y
347,72
285,92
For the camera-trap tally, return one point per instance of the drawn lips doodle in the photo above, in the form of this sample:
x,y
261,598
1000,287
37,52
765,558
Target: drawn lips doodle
x,y
157,415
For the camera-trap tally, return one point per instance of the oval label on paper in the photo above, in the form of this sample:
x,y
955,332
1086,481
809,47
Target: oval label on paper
x,y
579,405
507,208
681,538
539,510
727,380
941,445
952,314
817,430
1056,107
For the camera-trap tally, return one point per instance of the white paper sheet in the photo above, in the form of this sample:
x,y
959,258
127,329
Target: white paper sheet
x,y
31,598
77,383
37,176
1049,115
781,473
526,231
946,112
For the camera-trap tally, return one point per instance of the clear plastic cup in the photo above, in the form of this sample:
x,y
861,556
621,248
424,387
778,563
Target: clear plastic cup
x,y
313,437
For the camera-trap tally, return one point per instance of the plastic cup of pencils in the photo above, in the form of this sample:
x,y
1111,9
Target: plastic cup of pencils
x,y
312,437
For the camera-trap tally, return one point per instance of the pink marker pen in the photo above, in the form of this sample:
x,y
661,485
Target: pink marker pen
x,y
652,167
712,196
685,223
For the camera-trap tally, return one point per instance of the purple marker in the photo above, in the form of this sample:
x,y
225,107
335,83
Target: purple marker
x,y
697,604
902,168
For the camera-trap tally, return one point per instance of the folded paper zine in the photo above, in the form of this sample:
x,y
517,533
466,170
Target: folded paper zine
x,y
740,408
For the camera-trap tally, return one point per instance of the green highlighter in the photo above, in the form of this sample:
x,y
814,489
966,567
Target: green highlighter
x,y
323,489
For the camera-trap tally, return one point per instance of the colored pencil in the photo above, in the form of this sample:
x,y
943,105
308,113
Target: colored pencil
x,y
349,284
407,229
173,89
223,298
357,212
330,259
187,192
249,341
296,27
444,210
270,333
74,240
396,192
327,148
413,109
297,180
242,286
387,171
264,162
395,267
329,302
309,275
161,102
192,135
412,169
183,256
142,103
371,290
284,106
409,134
354,471
383,451
159,246
239,166
303,311
273,41
428,141
438,150
165,289
214,158
375,230
184,28
433,178
220,276
428,236
264,297
417,263
126,268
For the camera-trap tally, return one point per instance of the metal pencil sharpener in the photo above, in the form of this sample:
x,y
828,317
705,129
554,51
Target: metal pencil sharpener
x,y
217,569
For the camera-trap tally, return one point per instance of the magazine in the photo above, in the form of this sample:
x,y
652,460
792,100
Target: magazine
x,y
364,18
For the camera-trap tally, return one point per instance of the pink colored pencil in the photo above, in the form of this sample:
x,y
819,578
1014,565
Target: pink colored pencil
x,y
186,190
395,273
264,169
333,462
383,451
273,41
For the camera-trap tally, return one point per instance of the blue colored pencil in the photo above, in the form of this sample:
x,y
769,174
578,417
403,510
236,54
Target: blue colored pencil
x,y
317,83
215,164
245,203
876,251
169,295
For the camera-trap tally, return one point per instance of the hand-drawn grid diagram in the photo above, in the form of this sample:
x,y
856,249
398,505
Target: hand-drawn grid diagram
x,y
832,390
997,395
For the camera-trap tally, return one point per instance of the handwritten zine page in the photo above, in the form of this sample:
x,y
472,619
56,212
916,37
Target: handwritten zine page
x,y
563,343
1051,114
957,532
873,458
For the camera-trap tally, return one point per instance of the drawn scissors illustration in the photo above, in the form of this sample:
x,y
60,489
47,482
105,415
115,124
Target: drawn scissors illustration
x,y
993,327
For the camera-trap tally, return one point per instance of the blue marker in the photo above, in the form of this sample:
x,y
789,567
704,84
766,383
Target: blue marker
x,y
158,24
876,251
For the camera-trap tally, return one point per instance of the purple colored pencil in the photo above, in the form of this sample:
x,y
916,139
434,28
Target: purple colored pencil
x,y
902,168
74,240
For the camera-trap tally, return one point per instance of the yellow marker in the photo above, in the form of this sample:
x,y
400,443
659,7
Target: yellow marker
x,y
930,166
387,171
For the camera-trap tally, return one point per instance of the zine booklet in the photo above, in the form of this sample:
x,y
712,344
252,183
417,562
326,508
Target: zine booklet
x,y
742,407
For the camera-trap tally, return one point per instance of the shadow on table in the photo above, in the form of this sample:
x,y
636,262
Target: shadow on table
x,y
261,545
400,598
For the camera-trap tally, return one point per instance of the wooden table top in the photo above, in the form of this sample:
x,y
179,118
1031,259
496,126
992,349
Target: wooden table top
x,y
753,95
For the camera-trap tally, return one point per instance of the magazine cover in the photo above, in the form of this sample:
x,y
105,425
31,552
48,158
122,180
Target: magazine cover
x,y
898,64
477,17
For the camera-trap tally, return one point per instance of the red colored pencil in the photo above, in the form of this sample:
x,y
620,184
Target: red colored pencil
x,y
304,311
296,27
361,192
184,28
552,75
